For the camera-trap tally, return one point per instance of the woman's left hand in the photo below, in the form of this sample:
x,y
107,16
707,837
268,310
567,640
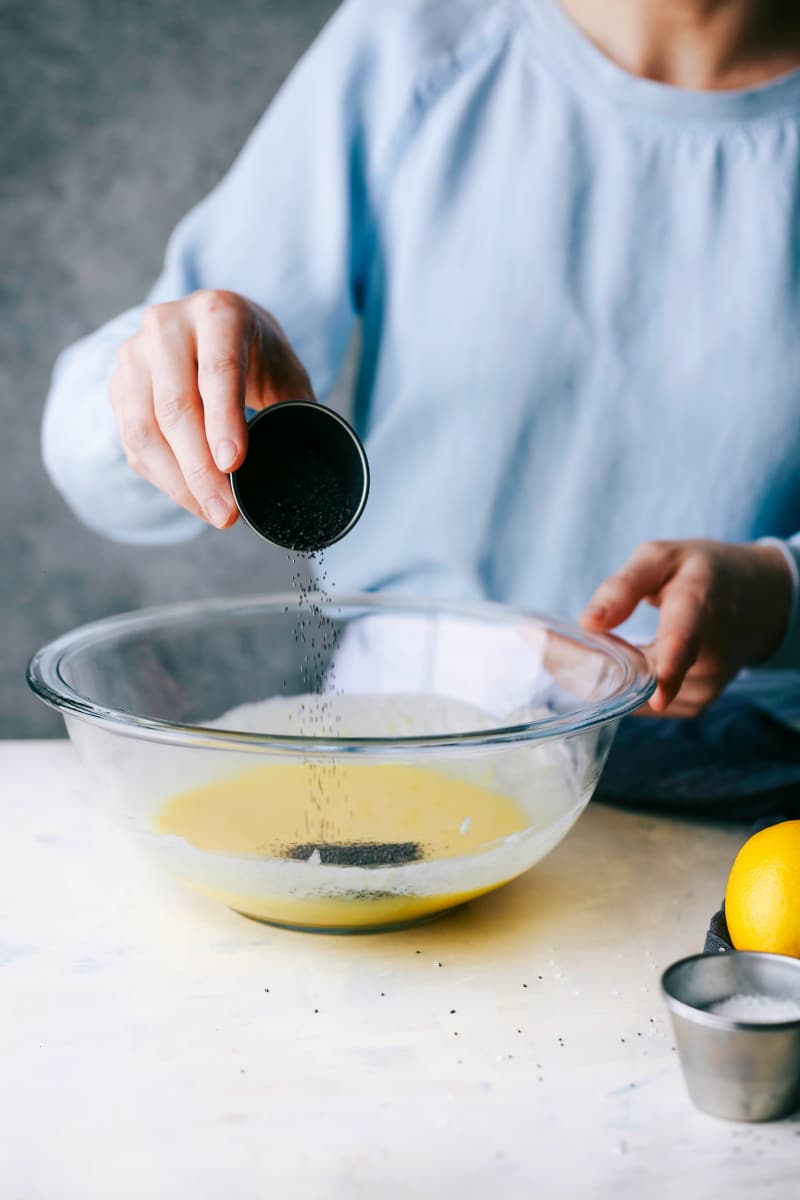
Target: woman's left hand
x,y
722,607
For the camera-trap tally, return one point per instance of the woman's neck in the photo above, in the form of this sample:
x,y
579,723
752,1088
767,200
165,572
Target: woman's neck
x,y
706,45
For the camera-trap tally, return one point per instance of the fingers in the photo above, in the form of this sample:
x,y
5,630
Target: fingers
x,y
145,448
682,632
668,575
704,590
178,409
675,653
695,695
181,387
643,576
223,333
681,629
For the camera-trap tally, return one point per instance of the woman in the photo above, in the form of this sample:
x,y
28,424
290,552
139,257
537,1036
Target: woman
x,y
569,233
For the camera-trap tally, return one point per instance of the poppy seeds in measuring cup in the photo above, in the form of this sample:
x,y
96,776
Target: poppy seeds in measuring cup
x,y
305,479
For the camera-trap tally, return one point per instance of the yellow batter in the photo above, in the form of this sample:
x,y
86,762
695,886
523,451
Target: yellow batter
x,y
345,813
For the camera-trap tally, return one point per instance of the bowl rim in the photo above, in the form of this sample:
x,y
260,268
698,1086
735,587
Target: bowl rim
x,y
45,679
702,1016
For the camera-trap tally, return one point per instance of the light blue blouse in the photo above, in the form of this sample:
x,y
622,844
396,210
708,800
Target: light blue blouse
x,y
580,297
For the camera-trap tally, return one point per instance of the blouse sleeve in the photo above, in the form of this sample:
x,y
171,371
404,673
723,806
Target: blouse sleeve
x,y
787,656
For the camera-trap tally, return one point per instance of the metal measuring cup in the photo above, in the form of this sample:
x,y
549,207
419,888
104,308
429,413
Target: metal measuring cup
x,y
735,1069
305,479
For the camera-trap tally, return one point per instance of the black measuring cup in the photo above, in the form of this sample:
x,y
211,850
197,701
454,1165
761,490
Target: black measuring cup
x,y
305,479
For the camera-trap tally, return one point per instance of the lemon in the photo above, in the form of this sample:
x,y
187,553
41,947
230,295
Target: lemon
x,y
762,899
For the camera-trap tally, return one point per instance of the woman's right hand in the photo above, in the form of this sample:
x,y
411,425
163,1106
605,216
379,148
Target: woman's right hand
x,y
180,389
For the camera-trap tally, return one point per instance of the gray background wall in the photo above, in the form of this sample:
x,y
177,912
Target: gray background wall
x,y
115,118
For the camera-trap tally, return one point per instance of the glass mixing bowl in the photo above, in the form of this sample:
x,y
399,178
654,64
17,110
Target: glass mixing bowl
x,y
344,764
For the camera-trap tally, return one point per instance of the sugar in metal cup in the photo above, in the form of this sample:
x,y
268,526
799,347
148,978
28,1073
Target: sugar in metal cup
x,y
736,1019
305,479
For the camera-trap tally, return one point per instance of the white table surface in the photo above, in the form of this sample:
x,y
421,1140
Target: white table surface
x,y
154,1045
